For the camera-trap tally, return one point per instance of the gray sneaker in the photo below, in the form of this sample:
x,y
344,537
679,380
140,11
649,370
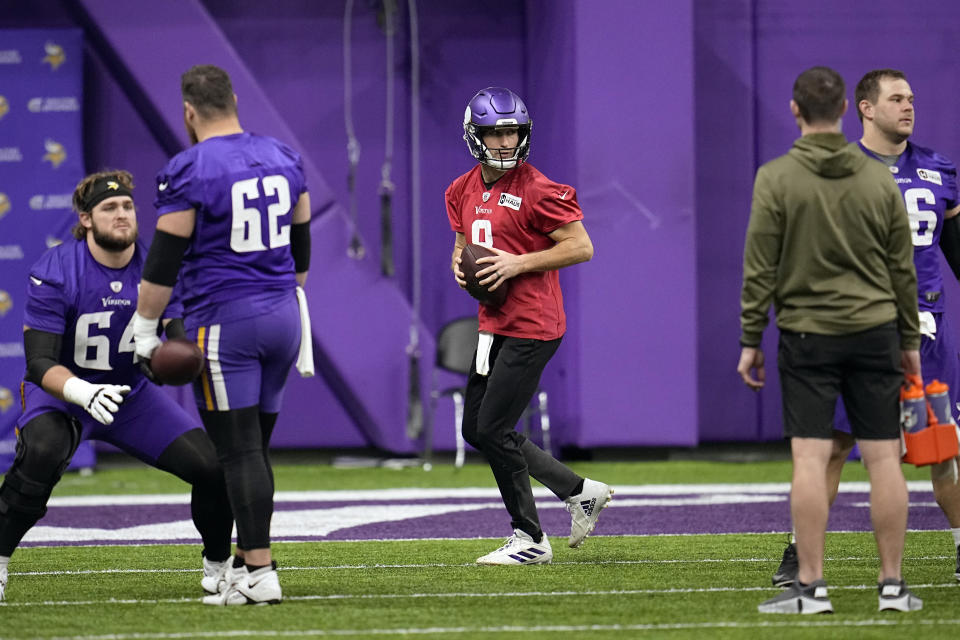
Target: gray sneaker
x,y
800,598
956,573
787,571
894,596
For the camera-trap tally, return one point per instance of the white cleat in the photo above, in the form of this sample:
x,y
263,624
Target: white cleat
x,y
520,549
214,578
229,594
585,508
262,586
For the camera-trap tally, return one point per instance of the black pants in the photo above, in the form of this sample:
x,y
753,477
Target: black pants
x,y
863,368
492,408
45,446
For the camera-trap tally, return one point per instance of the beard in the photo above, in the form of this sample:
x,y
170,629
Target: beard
x,y
114,243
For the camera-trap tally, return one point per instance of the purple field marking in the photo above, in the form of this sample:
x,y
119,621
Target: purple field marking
x,y
764,513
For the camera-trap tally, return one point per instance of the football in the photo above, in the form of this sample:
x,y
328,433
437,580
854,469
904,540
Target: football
x,y
177,361
468,264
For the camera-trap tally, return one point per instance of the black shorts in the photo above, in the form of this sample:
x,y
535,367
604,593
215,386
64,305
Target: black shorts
x,y
863,368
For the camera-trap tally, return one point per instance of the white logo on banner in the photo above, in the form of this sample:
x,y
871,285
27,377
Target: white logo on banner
x,y
44,105
11,252
42,202
11,350
10,154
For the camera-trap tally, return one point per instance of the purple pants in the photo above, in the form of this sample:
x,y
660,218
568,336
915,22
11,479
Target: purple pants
x,y
248,360
147,422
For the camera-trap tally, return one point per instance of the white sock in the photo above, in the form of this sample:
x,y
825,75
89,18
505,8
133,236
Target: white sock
x,y
4,560
793,537
955,532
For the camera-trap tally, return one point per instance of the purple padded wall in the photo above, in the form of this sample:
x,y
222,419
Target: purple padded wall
x,y
919,41
632,91
658,115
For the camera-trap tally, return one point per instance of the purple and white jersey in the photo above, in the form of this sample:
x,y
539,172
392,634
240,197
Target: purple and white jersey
x,y
928,182
92,307
243,188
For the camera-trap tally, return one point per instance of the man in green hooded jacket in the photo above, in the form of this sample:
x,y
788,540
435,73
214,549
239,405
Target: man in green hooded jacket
x,y
828,244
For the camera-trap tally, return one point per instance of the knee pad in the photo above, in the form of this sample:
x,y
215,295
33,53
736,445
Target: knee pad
x,y
38,467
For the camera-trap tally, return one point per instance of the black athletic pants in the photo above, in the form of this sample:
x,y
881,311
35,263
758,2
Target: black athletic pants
x,y
45,446
492,408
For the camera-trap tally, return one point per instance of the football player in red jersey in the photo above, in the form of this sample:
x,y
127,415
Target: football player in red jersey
x,y
534,226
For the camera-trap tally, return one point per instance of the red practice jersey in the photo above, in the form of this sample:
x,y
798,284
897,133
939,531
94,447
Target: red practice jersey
x,y
515,215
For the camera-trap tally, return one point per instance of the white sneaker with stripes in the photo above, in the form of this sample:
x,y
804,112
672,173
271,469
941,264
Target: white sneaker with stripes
x,y
585,508
520,549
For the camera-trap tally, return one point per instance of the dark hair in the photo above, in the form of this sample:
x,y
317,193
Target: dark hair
x,y
819,94
869,86
84,190
208,89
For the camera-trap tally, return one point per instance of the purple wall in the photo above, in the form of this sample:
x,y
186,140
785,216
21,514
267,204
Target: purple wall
x,y
658,114
748,55
634,154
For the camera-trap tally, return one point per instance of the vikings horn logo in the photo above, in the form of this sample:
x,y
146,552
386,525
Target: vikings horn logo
x,y
4,106
56,154
4,204
112,185
6,399
53,242
55,57
6,303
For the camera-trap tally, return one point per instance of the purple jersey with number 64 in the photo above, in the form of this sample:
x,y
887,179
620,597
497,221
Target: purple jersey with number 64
x,y
928,182
91,306
243,188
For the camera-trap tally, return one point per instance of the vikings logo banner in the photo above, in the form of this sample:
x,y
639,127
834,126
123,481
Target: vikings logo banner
x,y
41,160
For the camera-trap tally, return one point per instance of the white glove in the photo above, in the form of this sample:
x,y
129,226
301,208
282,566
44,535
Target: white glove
x,y
928,325
145,338
100,400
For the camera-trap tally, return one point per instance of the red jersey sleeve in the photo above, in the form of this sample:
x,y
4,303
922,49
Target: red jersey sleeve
x,y
557,205
452,200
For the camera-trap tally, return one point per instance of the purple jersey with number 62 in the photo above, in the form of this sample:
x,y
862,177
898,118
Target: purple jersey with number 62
x,y
243,188
928,182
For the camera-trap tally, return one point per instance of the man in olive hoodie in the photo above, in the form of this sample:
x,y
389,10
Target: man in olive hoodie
x,y
829,245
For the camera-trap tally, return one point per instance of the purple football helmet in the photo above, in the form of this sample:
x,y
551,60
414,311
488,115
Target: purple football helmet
x,y
496,107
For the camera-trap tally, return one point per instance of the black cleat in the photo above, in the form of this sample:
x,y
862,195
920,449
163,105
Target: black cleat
x,y
786,573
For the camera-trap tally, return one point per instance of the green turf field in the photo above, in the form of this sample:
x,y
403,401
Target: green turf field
x,y
614,587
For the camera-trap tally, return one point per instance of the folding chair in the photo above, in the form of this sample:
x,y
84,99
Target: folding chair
x,y
456,346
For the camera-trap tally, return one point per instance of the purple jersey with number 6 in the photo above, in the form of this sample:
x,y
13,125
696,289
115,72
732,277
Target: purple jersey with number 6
x,y
928,182
91,306
243,188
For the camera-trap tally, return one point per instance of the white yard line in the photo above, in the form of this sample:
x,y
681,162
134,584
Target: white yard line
x,y
435,565
462,594
389,495
515,629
